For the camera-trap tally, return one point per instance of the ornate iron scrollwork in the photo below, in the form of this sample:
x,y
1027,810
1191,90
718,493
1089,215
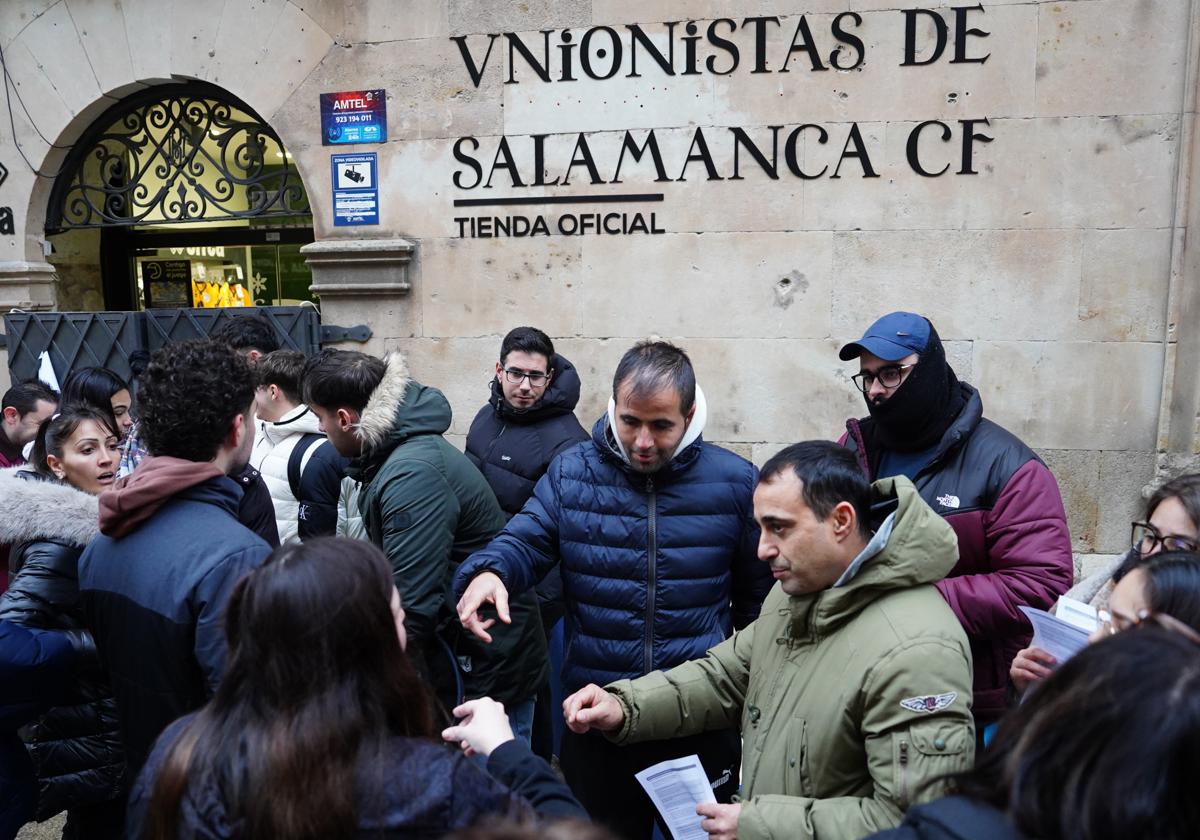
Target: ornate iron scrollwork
x,y
177,153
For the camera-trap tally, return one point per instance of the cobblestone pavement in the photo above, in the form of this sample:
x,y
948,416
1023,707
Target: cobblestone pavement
x,y
49,830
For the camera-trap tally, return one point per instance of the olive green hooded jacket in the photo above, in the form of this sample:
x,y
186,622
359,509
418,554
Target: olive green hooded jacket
x,y
429,508
852,702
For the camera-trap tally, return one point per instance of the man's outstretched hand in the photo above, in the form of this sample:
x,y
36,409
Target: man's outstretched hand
x,y
485,588
591,707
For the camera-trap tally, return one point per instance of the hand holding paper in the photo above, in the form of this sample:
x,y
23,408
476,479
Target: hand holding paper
x,y
721,820
1065,634
676,788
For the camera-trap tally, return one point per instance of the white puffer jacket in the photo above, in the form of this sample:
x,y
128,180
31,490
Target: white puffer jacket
x,y
273,445
350,521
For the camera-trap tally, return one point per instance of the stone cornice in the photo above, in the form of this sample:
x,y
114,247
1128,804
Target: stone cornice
x,y
360,266
27,285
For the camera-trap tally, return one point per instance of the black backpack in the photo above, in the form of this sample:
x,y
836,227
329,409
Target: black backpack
x,y
296,459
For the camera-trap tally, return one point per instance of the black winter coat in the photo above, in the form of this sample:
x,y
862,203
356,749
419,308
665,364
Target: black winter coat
x,y
256,510
413,789
513,449
76,746
953,818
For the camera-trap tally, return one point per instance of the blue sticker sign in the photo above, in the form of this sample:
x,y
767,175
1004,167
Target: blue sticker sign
x,y
355,189
353,116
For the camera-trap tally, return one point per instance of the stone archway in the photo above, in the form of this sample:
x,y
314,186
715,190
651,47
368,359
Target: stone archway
x,y
164,170
68,66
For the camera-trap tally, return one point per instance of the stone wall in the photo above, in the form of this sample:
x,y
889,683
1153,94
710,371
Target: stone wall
x,y
1057,273
76,261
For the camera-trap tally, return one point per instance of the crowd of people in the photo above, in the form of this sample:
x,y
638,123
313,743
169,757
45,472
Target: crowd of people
x,y
253,594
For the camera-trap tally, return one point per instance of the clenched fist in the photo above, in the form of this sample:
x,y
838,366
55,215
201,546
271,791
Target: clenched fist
x,y
591,707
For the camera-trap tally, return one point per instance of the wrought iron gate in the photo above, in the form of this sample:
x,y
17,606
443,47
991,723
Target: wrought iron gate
x,y
106,339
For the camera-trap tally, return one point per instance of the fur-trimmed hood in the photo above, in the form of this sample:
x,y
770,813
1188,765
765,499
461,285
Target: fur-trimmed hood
x,y
40,509
399,408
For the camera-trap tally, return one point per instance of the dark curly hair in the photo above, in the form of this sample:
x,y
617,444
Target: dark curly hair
x,y
246,332
189,396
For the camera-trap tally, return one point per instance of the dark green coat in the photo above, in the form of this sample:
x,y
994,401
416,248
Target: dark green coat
x,y
429,508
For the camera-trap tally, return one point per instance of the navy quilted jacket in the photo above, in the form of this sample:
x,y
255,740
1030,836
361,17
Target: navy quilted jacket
x,y
656,569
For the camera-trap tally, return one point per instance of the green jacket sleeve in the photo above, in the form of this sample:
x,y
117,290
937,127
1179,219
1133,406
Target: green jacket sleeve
x,y
418,515
693,697
917,728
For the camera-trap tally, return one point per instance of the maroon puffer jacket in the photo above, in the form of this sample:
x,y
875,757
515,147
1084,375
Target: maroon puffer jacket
x,y
1014,548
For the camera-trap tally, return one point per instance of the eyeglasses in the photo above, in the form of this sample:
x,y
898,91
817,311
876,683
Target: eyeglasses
x,y
889,377
1146,538
515,375
1110,625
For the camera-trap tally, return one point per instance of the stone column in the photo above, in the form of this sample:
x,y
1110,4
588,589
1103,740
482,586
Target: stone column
x,y
27,285
1179,419
364,281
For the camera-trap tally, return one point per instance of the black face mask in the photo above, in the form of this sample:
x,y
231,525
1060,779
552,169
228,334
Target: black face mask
x,y
918,413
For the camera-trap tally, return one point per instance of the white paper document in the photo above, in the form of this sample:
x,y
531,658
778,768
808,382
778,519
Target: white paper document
x,y
1061,639
1074,612
676,788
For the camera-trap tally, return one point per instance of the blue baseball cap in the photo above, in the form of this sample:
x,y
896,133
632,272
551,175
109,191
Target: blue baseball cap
x,y
891,338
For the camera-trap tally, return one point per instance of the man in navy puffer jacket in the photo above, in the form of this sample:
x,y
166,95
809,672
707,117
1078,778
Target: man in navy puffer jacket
x,y
655,534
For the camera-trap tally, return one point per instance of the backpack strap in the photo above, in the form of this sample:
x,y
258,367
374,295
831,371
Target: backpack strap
x,y
296,460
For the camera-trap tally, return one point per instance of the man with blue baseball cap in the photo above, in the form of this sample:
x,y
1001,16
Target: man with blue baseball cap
x,y
1001,499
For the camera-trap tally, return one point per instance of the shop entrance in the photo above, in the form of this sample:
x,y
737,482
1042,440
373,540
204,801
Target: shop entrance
x,y
179,196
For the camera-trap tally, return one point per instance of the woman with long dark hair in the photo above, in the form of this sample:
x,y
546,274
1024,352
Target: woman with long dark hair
x,y
105,391
321,728
51,514
1106,748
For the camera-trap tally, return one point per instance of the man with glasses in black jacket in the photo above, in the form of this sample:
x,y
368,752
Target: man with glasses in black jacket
x,y
526,422
528,419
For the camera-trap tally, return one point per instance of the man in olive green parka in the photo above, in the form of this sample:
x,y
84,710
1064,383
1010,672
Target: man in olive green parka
x,y
852,689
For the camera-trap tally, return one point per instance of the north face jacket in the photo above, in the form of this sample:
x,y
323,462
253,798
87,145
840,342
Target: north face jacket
x,y
428,508
75,746
319,471
853,702
155,598
656,568
1013,544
